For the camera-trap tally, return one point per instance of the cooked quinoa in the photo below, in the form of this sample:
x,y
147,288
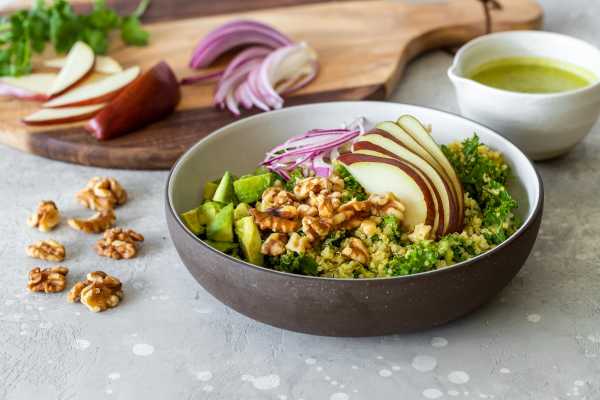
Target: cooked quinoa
x,y
363,236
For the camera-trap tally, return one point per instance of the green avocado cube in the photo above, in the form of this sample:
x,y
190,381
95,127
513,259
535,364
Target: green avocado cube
x,y
208,211
242,210
225,247
224,192
209,190
251,188
192,221
250,241
220,229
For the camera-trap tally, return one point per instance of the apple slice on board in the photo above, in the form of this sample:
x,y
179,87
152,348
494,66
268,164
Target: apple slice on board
x,y
97,92
383,175
27,87
151,97
52,116
103,64
447,207
371,149
79,62
418,132
401,137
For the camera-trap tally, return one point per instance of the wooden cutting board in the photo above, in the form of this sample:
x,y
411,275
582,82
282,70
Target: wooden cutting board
x,y
363,47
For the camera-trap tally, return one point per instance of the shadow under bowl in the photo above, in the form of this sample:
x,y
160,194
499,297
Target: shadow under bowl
x,y
343,307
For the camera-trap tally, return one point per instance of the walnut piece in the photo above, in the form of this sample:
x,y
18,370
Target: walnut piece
x,y
48,250
315,228
274,245
268,221
356,250
98,292
46,217
99,222
387,204
102,194
420,233
314,184
119,243
298,243
48,280
369,226
276,197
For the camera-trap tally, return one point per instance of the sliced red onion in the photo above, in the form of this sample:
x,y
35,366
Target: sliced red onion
x,y
251,53
230,83
232,35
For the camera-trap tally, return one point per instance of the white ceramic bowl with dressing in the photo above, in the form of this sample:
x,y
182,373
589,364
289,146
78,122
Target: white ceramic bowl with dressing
x,y
542,125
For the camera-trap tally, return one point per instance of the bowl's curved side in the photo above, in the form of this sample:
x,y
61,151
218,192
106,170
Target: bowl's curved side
x,y
335,307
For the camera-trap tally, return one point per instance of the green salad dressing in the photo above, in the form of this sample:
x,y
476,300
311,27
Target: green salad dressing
x,y
532,75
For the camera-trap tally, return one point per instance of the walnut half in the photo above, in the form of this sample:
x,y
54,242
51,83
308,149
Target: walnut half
x,y
48,280
46,217
48,250
119,243
98,292
102,194
99,222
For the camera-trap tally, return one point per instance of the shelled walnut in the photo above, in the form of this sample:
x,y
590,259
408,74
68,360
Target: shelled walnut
x,y
48,250
48,280
119,243
98,292
99,222
356,250
102,194
46,217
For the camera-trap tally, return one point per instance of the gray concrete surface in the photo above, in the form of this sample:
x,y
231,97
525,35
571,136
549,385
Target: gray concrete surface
x,y
540,339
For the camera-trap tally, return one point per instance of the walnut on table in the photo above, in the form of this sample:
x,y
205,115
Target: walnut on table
x,y
48,250
46,217
48,280
98,292
97,223
119,243
102,194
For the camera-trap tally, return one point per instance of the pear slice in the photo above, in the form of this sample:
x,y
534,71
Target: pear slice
x,y
99,91
52,116
103,64
418,132
447,207
383,175
400,136
78,64
27,87
374,150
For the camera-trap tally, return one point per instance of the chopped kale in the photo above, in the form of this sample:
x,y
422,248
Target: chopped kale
x,y
419,257
352,189
295,263
391,227
335,238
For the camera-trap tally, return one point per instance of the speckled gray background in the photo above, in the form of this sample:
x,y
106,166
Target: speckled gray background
x,y
171,340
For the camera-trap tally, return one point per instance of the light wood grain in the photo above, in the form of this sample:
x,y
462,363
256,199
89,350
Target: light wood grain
x,y
363,47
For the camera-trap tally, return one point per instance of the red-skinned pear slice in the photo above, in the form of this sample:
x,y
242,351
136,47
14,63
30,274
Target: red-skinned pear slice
x,y
400,136
27,87
79,62
418,132
151,97
103,64
383,175
53,116
99,91
374,150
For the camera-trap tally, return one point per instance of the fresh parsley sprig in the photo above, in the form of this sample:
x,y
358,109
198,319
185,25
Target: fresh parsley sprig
x,y
27,31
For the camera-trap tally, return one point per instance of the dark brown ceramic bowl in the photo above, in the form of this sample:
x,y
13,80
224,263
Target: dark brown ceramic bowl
x,y
339,307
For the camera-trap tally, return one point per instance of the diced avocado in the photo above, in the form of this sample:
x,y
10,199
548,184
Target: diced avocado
x,y
224,192
249,189
191,220
208,211
209,190
242,210
225,247
250,241
220,229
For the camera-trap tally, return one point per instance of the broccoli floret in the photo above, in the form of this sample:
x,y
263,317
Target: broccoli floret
x,y
294,263
352,189
419,257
